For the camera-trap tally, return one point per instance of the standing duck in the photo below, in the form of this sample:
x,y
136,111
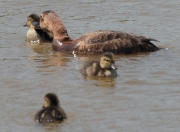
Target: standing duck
x,y
105,67
35,33
51,111
96,42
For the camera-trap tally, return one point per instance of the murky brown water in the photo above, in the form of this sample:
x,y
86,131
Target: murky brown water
x,y
145,97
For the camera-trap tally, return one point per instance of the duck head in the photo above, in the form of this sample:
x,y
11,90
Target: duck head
x,y
32,20
51,22
50,99
107,61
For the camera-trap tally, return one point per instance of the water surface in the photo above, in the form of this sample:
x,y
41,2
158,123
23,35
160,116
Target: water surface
x,y
143,98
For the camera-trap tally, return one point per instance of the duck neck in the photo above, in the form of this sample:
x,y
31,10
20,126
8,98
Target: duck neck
x,y
61,35
32,26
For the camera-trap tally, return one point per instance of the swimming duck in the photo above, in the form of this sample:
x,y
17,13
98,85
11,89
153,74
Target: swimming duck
x,y
35,33
51,111
105,67
94,42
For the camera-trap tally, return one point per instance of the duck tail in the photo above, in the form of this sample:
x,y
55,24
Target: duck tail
x,y
148,46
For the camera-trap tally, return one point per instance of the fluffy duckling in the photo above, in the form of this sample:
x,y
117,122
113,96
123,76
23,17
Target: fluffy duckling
x,y
35,33
51,111
104,68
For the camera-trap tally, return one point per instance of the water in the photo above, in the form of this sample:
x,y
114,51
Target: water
x,y
145,95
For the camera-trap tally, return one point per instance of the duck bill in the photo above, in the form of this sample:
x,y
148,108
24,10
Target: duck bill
x,y
25,25
113,66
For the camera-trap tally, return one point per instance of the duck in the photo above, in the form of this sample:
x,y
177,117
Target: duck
x,y
35,33
95,42
51,111
105,67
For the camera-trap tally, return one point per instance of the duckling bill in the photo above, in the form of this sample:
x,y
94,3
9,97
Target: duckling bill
x,y
51,111
35,33
105,67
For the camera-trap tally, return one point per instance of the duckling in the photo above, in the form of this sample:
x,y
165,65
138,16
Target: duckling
x,y
35,33
104,68
51,110
32,35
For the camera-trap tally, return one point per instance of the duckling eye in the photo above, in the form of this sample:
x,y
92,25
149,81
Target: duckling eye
x,y
41,18
106,60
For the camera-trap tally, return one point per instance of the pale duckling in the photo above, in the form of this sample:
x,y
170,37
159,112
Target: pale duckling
x,y
35,33
104,68
51,111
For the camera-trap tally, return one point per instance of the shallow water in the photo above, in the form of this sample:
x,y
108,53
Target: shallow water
x,y
143,98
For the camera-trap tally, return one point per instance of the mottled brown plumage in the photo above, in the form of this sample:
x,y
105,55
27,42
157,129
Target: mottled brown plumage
x,y
105,67
51,111
94,42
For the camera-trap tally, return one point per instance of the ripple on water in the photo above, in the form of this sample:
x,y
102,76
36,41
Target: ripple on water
x,y
144,96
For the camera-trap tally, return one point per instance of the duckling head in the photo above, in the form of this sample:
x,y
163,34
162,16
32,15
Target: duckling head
x,y
107,61
50,99
32,19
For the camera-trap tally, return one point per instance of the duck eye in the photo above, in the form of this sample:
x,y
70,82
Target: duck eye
x,y
41,18
106,60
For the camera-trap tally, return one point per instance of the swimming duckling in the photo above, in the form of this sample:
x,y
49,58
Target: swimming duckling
x,y
35,33
51,111
104,68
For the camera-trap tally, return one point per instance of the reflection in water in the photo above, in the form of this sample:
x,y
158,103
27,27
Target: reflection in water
x,y
48,126
102,81
46,55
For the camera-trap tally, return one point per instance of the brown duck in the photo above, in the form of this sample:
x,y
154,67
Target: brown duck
x,y
94,42
51,111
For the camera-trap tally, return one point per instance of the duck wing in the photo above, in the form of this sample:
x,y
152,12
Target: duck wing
x,y
91,68
43,34
114,41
